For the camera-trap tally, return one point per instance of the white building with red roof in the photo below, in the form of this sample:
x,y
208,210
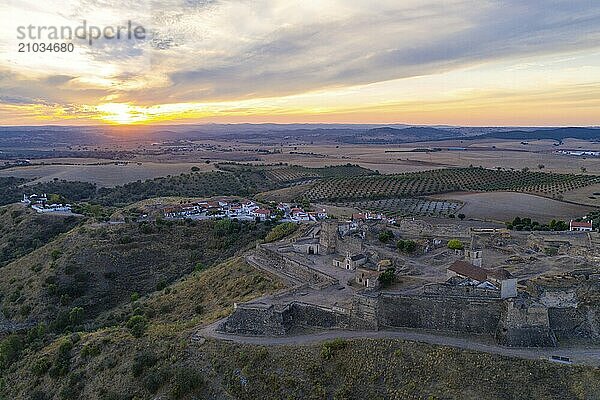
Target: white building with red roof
x,y
576,226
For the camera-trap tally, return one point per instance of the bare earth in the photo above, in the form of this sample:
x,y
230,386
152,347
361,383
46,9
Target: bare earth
x,y
103,175
504,206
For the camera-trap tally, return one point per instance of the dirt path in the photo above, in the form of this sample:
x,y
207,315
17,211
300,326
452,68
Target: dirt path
x,y
583,355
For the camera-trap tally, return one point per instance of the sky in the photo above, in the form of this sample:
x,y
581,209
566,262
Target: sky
x,y
423,62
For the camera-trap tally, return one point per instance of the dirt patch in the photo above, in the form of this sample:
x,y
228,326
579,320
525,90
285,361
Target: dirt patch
x,y
504,206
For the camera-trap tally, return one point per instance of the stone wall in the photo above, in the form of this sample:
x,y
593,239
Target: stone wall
x,y
444,289
255,319
453,314
349,244
575,322
268,320
292,267
301,316
525,324
364,312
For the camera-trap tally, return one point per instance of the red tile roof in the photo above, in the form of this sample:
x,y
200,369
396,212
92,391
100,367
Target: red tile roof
x,y
262,211
469,270
575,224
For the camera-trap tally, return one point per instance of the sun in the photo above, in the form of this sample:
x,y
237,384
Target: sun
x,y
121,113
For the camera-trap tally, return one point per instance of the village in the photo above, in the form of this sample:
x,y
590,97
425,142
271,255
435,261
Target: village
x,y
42,204
243,210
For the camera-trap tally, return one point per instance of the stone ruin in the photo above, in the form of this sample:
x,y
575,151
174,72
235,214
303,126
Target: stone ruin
x,y
550,309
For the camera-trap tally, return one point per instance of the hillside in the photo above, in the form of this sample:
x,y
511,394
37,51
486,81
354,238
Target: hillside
x,y
163,362
558,134
99,266
388,135
22,230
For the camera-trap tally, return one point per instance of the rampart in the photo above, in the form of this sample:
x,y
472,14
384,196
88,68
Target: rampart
x,y
270,320
475,315
444,289
289,265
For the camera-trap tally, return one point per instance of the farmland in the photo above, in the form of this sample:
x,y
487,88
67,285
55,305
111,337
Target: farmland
x,y
293,173
399,207
503,206
448,180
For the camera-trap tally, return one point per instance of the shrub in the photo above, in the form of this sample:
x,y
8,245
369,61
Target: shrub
x,y
41,366
10,350
76,315
143,361
55,254
455,244
135,296
185,381
155,378
90,350
280,231
386,278
386,236
137,325
328,349
406,246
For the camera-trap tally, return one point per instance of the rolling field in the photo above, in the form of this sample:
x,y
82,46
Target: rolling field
x,y
504,206
104,175
488,153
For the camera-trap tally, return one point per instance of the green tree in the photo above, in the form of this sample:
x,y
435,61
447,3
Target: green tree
x,y
455,244
76,315
406,246
137,325
10,350
386,278
386,236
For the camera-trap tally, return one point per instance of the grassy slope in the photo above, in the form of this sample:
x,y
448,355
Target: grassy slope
x,y
98,267
109,363
22,230
165,364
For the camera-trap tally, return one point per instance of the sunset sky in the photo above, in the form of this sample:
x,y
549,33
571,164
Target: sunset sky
x,y
455,62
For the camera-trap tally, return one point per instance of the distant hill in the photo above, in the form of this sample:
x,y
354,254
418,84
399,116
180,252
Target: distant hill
x,y
554,134
386,134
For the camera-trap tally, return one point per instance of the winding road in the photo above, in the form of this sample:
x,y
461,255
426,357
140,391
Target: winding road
x,y
581,355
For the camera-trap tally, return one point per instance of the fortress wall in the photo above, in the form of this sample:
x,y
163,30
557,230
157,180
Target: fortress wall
x,y
571,322
350,245
525,325
442,289
295,269
456,314
268,320
364,312
248,319
303,315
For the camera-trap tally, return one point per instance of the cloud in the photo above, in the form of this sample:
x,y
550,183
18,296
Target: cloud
x,y
234,50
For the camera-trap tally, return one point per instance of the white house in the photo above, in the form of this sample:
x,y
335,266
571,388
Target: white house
x,y
350,262
261,213
41,208
575,226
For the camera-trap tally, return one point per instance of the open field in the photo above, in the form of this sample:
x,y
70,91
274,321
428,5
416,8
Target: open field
x,y
488,153
585,195
104,175
504,206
